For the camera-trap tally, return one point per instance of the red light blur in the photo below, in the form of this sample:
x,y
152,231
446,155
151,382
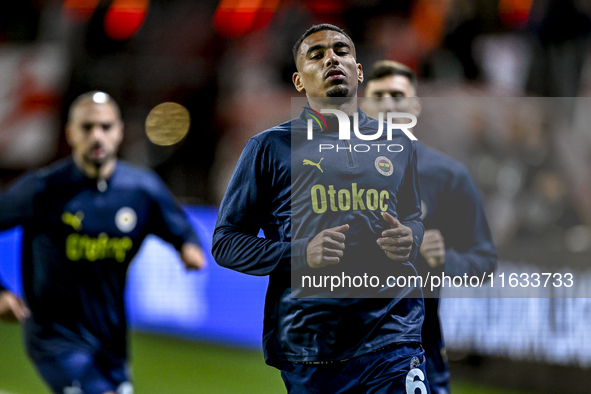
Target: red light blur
x,y
124,18
236,18
79,10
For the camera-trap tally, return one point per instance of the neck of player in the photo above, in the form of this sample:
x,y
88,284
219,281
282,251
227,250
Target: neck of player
x,y
97,171
346,104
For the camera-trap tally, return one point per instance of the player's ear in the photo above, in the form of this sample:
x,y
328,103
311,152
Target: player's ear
x,y
416,107
297,81
359,72
120,126
68,134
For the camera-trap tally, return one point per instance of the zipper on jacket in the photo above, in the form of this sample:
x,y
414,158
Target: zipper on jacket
x,y
348,149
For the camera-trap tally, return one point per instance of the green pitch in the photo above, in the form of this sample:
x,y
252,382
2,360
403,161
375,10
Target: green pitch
x,y
164,365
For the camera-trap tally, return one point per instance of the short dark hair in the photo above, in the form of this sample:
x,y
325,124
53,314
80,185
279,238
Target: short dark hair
x,y
96,97
385,68
316,29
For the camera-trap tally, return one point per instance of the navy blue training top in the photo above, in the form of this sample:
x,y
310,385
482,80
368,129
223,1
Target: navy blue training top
x,y
77,245
452,205
276,188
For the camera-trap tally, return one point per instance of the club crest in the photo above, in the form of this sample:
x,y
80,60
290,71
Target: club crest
x,y
125,219
384,166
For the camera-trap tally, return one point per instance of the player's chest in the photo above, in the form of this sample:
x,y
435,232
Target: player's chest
x,y
93,213
330,161
433,201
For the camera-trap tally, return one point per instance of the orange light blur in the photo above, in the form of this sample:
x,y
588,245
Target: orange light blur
x,y
428,19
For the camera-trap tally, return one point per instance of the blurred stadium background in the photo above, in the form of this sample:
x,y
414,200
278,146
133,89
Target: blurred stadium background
x,y
507,82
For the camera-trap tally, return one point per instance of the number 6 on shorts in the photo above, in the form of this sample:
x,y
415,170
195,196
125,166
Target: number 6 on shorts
x,y
412,385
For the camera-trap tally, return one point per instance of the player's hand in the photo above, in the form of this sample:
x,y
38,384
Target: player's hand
x,y
326,248
397,241
433,248
12,308
193,257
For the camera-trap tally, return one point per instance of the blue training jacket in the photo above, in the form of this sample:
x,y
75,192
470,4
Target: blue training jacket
x,y
78,242
452,205
292,188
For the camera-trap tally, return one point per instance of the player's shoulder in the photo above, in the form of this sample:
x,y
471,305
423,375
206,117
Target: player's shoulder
x,y
273,134
273,141
62,170
433,160
133,176
52,178
128,168
369,125
56,168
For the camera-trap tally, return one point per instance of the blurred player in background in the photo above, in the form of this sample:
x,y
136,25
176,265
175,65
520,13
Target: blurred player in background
x,y
328,345
84,219
457,236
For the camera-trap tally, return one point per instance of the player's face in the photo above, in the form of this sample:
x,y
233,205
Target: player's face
x,y
393,93
95,132
327,67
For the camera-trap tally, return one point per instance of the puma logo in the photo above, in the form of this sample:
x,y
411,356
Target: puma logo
x,y
311,163
73,220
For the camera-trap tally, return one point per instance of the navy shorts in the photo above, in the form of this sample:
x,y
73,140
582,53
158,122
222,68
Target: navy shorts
x,y
79,372
394,369
438,377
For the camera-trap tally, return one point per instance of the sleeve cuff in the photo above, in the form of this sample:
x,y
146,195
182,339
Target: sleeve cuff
x,y
298,253
417,240
194,239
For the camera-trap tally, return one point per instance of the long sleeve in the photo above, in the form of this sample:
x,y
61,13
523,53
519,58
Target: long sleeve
x,y
244,211
172,224
17,203
471,250
409,203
